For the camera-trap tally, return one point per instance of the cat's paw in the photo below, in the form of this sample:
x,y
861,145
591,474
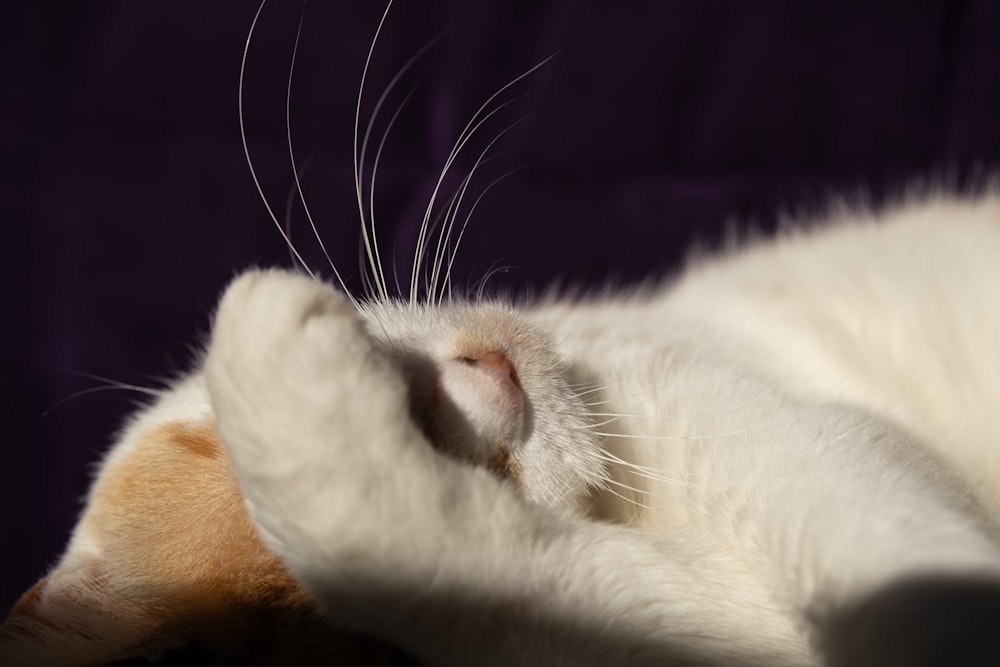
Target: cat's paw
x,y
315,417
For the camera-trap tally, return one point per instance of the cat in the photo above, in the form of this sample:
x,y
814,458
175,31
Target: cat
x,y
786,455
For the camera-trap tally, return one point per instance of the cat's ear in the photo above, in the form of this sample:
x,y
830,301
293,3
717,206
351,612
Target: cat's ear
x,y
77,615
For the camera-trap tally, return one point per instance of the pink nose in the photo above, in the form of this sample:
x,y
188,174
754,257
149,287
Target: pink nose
x,y
478,396
494,361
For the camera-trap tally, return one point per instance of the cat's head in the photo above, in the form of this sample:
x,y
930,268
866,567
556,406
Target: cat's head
x,y
164,558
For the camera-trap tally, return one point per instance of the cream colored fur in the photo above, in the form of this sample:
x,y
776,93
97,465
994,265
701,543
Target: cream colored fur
x,y
736,468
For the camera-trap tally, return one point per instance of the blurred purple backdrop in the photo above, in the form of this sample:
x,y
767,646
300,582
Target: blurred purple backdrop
x,y
128,203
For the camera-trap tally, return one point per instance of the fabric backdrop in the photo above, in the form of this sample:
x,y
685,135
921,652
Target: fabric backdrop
x,y
128,204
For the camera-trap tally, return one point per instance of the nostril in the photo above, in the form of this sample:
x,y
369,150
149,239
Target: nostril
x,y
495,361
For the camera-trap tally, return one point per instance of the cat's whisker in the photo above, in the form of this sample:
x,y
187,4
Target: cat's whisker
x,y
246,147
395,274
652,473
289,205
102,388
436,224
596,404
463,138
367,283
651,393
445,236
109,385
597,425
371,194
632,501
368,227
611,414
442,220
297,174
474,123
628,487
486,278
657,475
584,385
437,292
592,390
112,381
359,159
712,436
465,224
647,394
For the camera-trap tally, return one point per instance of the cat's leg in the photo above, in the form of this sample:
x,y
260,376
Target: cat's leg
x,y
445,559
873,541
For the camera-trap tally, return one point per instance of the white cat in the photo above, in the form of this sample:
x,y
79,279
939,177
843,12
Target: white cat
x,y
787,455
790,455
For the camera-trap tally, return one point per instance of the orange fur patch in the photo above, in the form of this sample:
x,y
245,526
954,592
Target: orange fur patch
x,y
183,564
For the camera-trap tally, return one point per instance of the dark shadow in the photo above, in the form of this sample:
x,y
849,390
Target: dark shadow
x,y
930,621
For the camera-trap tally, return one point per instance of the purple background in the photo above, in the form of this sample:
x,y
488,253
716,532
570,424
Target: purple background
x,y
128,204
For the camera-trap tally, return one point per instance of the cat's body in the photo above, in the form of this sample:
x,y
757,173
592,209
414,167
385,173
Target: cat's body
x,y
788,455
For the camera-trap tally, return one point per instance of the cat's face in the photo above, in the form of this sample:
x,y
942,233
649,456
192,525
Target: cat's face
x,y
488,388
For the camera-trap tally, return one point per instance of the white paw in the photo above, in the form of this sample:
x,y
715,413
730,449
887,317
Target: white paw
x,y
313,414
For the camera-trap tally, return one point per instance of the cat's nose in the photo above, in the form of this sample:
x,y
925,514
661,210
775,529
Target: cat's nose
x,y
496,362
479,394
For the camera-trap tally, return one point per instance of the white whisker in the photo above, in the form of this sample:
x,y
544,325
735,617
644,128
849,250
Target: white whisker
x,y
246,147
588,385
657,475
358,159
597,425
465,224
111,381
289,204
446,231
449,212
466,133
463,138
612,414
649,473
371,195
623,485
485,279
447,220
102,388
296,174
596,404
366,280
395,274
436,223
632,501
368,228
108,385
591,391
724,434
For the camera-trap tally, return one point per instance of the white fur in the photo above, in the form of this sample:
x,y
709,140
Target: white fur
x,y
813,418
713,472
